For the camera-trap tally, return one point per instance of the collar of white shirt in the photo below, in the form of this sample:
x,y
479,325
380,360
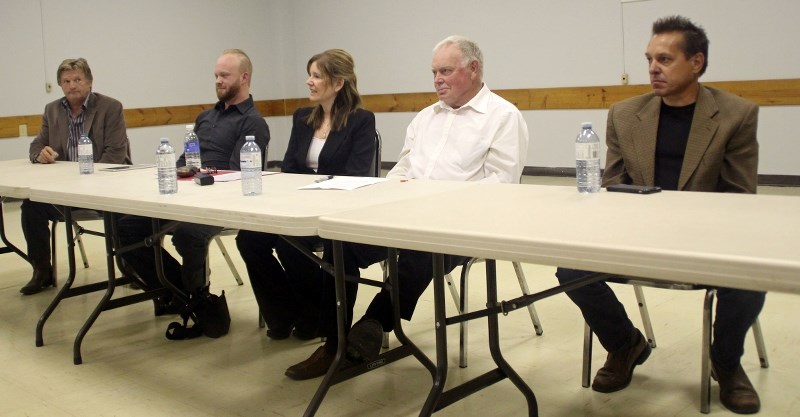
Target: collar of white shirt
x,y
479,103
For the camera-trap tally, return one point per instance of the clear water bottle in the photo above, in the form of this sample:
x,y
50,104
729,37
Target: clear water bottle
x,y
587,160
250,164
167,171
85,155
191,148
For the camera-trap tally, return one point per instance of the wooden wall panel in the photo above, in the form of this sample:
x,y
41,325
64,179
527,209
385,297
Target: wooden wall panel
x,y
763,92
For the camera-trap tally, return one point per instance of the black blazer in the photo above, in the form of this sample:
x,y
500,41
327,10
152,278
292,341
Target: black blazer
x,y
350,151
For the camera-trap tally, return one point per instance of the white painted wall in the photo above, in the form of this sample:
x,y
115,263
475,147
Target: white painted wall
x,y
526,43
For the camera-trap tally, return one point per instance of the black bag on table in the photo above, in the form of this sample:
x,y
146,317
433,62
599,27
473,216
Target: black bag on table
x,y
210,315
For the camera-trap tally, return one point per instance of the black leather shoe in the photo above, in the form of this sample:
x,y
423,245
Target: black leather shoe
x,y
163,306
735,390
41,279
617,372
315,366
305,334
364,340
279,334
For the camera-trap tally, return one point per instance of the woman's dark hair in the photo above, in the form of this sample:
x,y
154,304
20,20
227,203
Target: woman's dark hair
x,y
336,64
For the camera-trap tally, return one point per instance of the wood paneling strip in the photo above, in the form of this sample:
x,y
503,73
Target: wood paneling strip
x,y
762,92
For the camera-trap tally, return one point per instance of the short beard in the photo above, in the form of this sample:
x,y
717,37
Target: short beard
x,y
228,95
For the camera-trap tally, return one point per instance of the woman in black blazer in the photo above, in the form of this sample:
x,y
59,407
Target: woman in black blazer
x,y
333,137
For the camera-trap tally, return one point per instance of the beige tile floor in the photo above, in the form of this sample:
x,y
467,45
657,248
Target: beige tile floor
x,y
130,369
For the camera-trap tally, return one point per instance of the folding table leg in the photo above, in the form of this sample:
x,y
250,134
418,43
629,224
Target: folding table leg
x,y
494,341
62,293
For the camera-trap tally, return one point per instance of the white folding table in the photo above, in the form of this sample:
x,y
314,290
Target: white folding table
x,y
281,209
730,240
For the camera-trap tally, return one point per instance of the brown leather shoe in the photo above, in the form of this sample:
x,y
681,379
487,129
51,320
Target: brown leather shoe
x,y
41,279
617,372
315,366
735,390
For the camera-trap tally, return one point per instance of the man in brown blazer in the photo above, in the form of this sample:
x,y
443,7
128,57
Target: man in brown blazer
x,y
64,120
687,137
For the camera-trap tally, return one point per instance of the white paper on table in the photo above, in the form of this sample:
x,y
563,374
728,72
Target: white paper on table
x,y
127,167
343,183
236,176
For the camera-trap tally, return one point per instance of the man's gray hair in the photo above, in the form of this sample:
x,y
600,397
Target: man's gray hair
x,y
469,50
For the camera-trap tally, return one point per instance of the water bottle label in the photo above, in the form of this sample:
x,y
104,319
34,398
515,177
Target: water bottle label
x,y
191,146
587,151
85,149
252,160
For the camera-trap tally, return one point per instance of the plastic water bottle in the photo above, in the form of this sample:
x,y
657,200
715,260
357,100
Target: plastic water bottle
x,y
167,171
191,148
250,164
587,160
85,155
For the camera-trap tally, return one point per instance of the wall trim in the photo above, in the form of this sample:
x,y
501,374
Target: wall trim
x,y
783,92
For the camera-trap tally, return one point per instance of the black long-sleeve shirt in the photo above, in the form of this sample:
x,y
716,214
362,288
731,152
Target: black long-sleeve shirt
x,y
222,133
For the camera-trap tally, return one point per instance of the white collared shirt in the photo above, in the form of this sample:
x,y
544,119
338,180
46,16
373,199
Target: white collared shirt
x,y
484,140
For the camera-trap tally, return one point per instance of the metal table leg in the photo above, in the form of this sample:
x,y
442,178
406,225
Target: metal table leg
x,y
336,374
9,247
106,303
440,374
65,289
494,341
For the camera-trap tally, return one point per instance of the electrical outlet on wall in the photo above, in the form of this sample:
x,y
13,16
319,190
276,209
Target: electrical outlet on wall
x,y
624,79
48,87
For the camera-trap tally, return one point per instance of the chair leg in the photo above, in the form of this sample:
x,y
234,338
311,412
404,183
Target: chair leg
x,y
645,313
463,307
78,230
53,251
760,347
385,273
228,260
453,291
462,352
705,364
587,355
523,285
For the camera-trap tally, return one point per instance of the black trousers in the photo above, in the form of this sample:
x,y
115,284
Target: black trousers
x,y
415,273
736,312
289,292
190,240
35,218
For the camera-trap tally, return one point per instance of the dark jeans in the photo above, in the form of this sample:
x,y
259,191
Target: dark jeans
x,y
289,293
35,218
735,314
415,273
190,240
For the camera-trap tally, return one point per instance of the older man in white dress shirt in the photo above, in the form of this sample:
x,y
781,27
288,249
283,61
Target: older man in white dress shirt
x,y
470,134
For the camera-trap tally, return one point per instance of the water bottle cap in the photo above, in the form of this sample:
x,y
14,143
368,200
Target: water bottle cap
x,y
249,137
586,125
190,127
164,140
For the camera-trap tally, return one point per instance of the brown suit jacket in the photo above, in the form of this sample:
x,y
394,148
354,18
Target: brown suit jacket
x,y
721,154
106,129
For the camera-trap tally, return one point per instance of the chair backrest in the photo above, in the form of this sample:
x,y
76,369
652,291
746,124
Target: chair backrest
x,y
265,156
376,164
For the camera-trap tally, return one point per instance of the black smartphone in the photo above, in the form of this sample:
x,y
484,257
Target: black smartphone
x,y
636,189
